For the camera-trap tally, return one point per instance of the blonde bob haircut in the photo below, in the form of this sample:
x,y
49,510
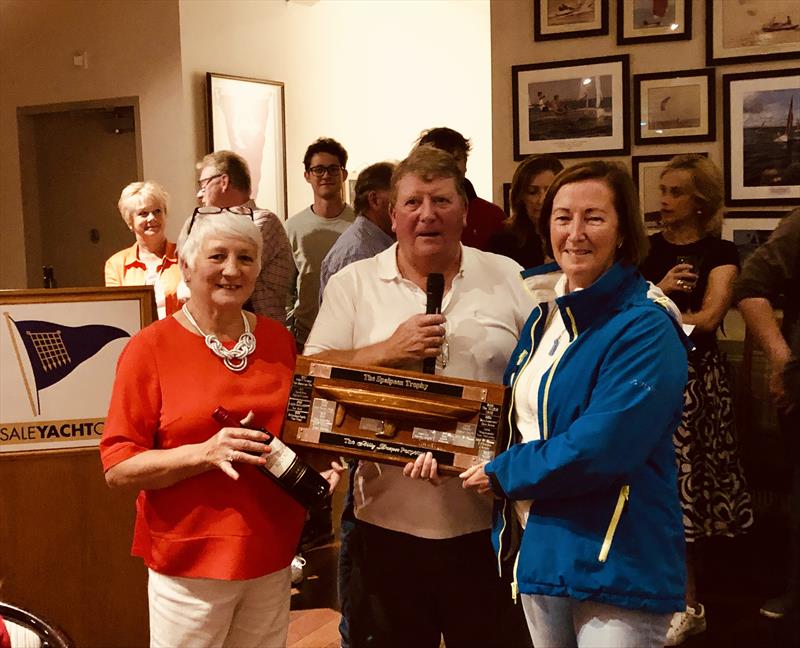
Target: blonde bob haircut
x,y
225,224
136,193
706,188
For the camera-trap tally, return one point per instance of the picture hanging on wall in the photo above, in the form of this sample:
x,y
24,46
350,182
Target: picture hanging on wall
x,y
750,229
571,108
762,138
648,21
674,107
647,171
555,19
756,30
246,116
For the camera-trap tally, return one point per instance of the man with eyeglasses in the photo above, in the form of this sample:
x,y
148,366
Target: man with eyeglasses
x,y
483,218
224,182
313,231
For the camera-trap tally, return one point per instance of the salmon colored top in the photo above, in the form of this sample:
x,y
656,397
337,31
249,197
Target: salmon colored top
x,y
168,384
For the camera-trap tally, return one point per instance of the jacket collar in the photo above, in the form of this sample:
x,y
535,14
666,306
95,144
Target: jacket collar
x,y
131,259
613,290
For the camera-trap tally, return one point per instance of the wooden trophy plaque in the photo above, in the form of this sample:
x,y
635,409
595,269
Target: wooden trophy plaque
x,y
393,416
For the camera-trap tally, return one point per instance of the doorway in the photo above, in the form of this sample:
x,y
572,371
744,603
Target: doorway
x,y
74,161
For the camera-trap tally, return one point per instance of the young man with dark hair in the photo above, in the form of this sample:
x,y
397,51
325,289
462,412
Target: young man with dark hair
x,y
483,218
314,230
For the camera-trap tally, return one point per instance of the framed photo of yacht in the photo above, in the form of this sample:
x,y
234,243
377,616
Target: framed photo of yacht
x,y
555,19
648,21
741,32
572,108
674,107
762,137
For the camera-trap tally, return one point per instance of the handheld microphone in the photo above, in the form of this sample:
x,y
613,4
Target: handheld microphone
x,y
434,291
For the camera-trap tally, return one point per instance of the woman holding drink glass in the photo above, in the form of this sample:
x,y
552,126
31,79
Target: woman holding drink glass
x,y
697,270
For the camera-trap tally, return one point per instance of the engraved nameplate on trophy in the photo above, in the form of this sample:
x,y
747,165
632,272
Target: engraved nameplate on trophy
x,y
392,416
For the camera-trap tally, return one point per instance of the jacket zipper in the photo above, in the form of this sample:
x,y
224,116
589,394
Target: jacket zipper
x,y
514,376
624,495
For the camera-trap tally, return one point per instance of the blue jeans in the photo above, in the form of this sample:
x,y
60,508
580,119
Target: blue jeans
x,y
560,622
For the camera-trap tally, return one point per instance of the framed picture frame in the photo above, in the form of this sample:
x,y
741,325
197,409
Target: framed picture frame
x,y
572,108
749,229
556,19
646,171
246,116
762,137
674,107
58,356
757,30
649,21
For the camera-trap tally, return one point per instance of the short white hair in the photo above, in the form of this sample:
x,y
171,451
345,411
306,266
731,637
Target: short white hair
x,y
226,223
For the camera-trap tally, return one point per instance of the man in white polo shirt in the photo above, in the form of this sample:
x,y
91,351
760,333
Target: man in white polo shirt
x,y
423,562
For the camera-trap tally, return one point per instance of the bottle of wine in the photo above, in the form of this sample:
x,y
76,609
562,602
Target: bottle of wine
x,y
283,465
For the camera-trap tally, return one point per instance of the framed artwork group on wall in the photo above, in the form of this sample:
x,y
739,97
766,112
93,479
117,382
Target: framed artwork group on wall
x,y
555,19
246,116
572,108
674,107
756,30
649,21
762,137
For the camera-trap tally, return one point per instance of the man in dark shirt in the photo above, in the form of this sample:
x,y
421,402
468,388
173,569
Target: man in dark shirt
x,y
774,269
483,218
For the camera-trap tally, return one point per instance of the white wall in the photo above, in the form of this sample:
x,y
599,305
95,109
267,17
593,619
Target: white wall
x,y
370,74
133,48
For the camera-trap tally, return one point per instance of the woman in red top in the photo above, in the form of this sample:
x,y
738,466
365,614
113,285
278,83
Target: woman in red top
x,y
216,535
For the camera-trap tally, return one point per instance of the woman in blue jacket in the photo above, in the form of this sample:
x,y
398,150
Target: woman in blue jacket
x,y
589,478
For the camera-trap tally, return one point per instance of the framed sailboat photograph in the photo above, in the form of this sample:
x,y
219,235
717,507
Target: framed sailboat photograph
x,y
556,19
752,30
649,21
762,137
572,108
674,107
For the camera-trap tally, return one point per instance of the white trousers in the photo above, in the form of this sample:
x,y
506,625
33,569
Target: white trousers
x,y
210,613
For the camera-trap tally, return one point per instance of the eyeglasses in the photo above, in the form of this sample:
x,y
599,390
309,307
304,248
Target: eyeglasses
x,y
332,169
203,183
210,211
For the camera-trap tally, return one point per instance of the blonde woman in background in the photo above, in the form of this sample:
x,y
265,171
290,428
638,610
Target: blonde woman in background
x,y
151,260
697,271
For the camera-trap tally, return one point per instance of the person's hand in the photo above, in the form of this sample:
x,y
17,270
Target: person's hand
x,y
332,476
232,445
425,467
679,279
476,478
777,389
419,337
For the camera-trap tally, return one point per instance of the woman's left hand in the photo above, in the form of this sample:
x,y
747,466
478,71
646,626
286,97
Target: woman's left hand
x,y
332,476
476,478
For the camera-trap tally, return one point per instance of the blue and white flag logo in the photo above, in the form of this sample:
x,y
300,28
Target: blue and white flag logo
x,y
55,350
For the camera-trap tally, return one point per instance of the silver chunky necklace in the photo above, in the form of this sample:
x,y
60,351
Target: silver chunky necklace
x,y
235,359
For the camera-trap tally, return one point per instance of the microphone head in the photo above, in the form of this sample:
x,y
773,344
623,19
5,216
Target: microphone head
x,y
435,283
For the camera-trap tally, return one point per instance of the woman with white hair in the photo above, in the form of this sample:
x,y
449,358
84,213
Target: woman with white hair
x,y
151,260
217,536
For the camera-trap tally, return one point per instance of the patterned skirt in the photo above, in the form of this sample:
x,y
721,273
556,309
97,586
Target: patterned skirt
x,y
712,487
